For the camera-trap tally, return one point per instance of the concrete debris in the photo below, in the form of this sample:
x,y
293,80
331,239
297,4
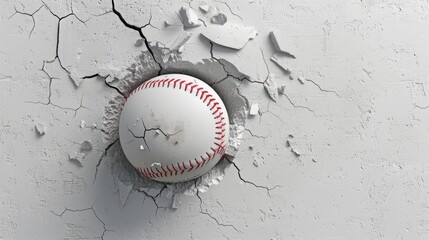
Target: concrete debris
x,y
229,35
180,40
94,125
139,43
77,81
86,145
279,42
283,62
124,191
188,17
281,89
82,124
301,80
295,151
293,147
76,158
255,163
205,8
181,49
141,147
40,129
176,201
219,18
254,109
270,87
251,147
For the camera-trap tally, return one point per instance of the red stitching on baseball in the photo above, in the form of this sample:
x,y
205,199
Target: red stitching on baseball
x,y
198,163
193,86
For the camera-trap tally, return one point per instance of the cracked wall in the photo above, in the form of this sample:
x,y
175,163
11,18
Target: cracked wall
x,y
327,103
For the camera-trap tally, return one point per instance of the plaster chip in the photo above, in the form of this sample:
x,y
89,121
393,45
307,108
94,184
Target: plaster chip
x,y
301,79
219,18
180,40
40,129
77,81
254,109
181,49
86,145
176,201
82,124
205,8
229,35
280,43
270,86
76,158
283,62
281,89
188,17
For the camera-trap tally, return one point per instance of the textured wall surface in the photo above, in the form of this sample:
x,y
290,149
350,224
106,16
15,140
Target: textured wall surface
x,y
337,150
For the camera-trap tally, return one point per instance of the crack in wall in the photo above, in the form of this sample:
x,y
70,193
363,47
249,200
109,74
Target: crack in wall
x,y
298,106
140,31
27,14
154,197
49,101
86,209
211,216
249,182
105,82
321,89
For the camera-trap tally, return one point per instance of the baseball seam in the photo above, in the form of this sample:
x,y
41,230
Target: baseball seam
x,y
219,144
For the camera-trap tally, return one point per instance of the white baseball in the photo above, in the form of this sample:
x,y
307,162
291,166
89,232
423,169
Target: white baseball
x,y
173,128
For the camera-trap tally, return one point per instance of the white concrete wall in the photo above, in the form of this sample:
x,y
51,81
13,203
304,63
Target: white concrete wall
x,y
360,121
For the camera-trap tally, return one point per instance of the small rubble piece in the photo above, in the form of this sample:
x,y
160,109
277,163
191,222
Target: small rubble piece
x,y
254,109
229,35
139,43
293,147
77,81
205,8
181,49
301,80
181,39
40,129
270,86
76,158
94,125
283,62
82,124
86,145
251,147
279,43
219,18
188,17
281,89
156,164
176,201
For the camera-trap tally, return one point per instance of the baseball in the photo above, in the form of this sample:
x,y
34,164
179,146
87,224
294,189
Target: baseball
x,y
173,128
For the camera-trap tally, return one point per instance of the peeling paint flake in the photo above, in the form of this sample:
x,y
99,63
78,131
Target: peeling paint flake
x,y
280,43
219,18
229,35
40,129
270,87
189,18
